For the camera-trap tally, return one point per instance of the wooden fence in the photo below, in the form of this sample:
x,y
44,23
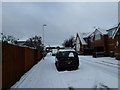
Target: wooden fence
x,y
16,61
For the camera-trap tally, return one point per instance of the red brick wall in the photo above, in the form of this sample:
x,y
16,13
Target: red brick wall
x,y
111,44
117,49
97,43
100,43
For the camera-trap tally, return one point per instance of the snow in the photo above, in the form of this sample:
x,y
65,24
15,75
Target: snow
x,y
81,39
89,75
23,39
103,31
116,31
106,74
103,60
88,34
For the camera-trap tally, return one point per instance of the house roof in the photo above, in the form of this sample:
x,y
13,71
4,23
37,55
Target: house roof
x,y
113,27
89,34
102,31
82,35
116,31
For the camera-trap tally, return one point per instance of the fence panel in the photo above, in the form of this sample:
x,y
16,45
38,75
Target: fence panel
x,y
29,58
35,56
16,61
39,55
12,64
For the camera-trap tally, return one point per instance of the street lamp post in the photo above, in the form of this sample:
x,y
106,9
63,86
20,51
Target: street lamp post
x,y
43,40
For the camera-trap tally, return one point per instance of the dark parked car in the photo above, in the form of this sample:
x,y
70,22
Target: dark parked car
x,y
66,59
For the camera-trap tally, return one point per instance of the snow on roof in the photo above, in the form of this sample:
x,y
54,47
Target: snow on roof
x,y
112,29
116,31
88,34
103,31
82,35
115,26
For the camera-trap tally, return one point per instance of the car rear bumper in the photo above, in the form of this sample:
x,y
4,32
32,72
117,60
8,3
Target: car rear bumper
x,y
65,65
68,66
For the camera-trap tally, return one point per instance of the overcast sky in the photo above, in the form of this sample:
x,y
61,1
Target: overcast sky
x,y
63,19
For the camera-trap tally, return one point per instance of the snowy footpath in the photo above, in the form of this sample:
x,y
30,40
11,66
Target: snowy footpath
x,y
92,73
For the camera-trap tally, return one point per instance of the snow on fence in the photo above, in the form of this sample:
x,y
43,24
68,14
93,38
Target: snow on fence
x,y
16,61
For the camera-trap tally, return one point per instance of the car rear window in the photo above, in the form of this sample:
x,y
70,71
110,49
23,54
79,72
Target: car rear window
x,y
71,54
67,54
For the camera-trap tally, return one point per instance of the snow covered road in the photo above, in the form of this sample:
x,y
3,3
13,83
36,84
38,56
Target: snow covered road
x,y
89,75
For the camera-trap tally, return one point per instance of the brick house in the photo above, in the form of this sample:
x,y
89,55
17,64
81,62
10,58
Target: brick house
x,y
107,41
97,41
116,37
102,40
111,41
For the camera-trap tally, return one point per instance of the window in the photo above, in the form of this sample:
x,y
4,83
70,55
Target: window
x,y
97,36
110,33
71,54
67,54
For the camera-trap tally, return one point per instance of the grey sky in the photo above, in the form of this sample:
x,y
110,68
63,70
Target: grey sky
x,y
63,19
